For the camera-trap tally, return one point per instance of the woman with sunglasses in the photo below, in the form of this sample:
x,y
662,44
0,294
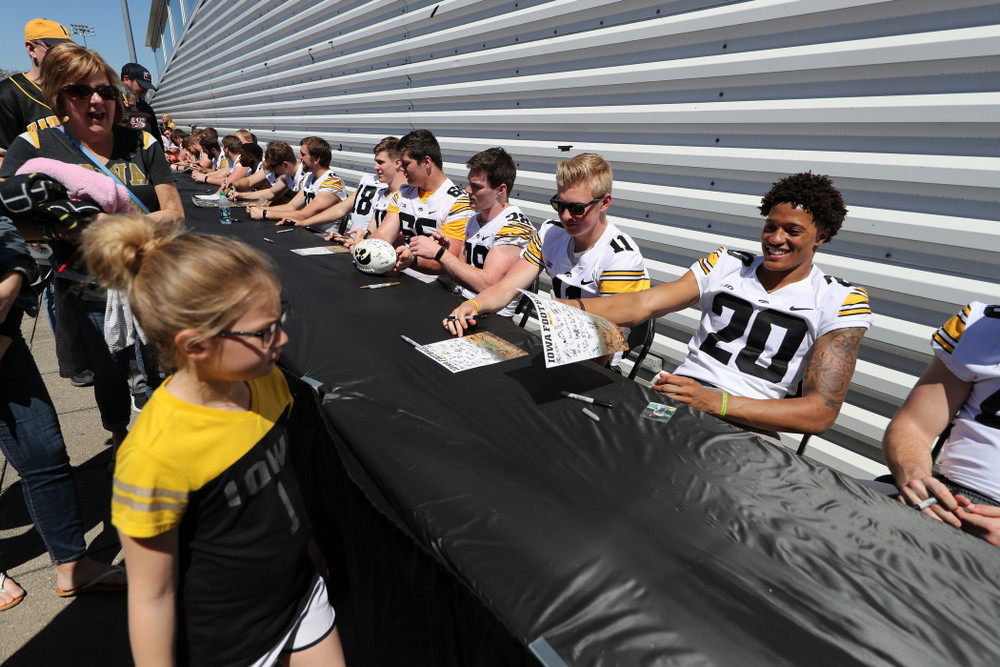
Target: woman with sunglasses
x,y
81,87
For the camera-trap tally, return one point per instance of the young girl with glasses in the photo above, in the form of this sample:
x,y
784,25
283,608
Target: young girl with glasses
x,y
205,499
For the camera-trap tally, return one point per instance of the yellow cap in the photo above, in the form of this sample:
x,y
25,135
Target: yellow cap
x,y
44,30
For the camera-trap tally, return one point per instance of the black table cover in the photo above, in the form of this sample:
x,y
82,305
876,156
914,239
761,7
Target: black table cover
x,y
483,514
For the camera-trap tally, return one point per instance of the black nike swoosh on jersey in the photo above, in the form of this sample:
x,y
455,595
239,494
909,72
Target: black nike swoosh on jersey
x,y
586,282
797,308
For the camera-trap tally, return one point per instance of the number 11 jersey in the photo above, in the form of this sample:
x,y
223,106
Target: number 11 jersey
x,y
753,343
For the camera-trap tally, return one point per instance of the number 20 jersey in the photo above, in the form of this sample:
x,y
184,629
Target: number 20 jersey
x,y
969,346
753,344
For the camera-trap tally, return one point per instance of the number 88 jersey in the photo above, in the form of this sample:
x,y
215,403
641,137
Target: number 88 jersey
x,y
753,343
969,346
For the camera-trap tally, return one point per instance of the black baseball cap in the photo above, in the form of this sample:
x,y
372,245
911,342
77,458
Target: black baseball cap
x,y
138,73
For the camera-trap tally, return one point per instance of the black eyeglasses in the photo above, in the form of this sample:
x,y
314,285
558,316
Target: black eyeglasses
x,y
574,207
82,91
266,334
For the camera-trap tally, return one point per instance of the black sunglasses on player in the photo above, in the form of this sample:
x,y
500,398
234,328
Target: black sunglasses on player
x,y
82,91
574,208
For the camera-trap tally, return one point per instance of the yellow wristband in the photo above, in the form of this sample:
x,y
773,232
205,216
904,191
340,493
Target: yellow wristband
x,y
725,404
473,303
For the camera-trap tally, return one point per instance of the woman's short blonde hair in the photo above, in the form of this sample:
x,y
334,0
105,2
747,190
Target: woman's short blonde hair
x,y
585,169
176,280
68,63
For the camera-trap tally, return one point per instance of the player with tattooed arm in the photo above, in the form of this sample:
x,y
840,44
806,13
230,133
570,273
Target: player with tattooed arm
x,y
769,322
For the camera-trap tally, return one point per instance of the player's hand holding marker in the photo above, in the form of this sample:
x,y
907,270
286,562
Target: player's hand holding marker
x,y
462,317
404,258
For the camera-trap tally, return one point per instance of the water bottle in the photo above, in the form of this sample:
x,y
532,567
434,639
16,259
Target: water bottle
x,y
224,217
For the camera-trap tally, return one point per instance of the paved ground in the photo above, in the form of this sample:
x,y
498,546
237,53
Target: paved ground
x,y
45,629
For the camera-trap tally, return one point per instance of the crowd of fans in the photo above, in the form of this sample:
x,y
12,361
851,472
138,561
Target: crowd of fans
x,y
775,349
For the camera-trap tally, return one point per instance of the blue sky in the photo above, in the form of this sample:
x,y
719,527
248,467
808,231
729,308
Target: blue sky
x,y
104,15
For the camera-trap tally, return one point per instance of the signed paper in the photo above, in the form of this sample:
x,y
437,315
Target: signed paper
x,y
473,351
320,250
569,334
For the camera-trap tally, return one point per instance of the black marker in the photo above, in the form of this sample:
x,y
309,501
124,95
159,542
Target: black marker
x,y
586,399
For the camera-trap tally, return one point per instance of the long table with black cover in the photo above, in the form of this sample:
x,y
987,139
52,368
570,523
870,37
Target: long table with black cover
x,y
482,514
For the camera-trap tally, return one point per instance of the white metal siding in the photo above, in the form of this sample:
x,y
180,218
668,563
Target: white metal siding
x,y
698,105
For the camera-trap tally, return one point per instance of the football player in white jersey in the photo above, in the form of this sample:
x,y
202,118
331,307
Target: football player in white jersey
x,y
429,201
320,188
229,170
494,236
768,322
281,169
585,255
963,378
367,204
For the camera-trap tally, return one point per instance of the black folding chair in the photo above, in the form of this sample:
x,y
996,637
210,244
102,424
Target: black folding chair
x,y
640,339
523,309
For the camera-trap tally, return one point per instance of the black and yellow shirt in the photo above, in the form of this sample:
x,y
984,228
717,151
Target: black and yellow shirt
x,y
137,159
225,480
22,108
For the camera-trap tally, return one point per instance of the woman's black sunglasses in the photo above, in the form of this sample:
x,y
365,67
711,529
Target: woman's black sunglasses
x,y
82,91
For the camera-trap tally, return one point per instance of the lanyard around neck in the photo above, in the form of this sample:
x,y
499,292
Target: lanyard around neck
x,y
97,163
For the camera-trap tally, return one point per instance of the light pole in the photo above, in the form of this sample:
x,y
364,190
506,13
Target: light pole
x,y
85,30
128,30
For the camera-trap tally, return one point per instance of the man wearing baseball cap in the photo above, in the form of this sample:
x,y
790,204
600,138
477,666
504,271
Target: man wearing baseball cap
x,y
22,106
140,80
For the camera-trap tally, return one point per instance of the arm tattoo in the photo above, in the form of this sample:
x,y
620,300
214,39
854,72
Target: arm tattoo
x,y
832,365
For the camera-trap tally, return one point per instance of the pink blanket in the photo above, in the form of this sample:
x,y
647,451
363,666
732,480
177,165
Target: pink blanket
x,y
83,183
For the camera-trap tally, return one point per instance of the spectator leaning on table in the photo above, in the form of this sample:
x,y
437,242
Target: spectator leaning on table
x,y
495,235
962,379
585,255
768,323
22,104
281,176
429,201
320,189
367,205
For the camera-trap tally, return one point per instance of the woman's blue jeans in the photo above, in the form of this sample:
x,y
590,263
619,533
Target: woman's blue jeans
x,y
111,390
33,444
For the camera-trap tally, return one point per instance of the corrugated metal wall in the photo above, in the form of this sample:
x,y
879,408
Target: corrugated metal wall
x,y
698,105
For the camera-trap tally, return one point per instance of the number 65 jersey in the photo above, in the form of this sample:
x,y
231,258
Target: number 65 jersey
x,y
969,346
753,344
